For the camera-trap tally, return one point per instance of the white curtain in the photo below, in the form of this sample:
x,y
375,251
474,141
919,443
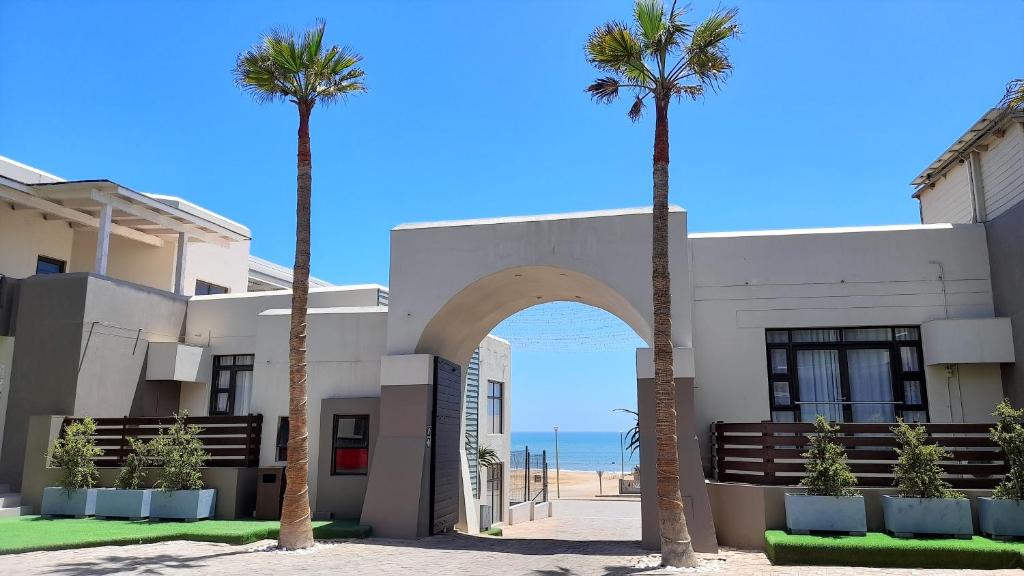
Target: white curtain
x,y
870,381
243,392
820,393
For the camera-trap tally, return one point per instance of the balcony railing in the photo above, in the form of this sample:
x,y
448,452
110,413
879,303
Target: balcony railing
x,y
769,453
231,441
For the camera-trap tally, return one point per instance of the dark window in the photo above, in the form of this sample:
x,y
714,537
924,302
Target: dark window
x,y
495,406
47,265
282,439
204,288
351,445
494,489
846,374
231,389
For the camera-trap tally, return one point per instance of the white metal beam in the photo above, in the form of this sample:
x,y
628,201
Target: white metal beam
x,y
158,218
103,240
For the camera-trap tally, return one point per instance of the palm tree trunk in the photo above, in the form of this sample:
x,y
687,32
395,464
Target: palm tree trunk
x,y
296,529
676,549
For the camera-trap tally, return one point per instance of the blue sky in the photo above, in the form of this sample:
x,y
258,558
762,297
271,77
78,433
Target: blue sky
x,y
477,109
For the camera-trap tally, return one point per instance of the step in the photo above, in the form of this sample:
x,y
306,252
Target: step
x,y
10,500
16,511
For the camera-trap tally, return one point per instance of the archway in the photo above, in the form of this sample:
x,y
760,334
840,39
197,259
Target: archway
x,y
453,282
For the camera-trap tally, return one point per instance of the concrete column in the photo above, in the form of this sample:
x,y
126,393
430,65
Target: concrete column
x,y
977,187
397,502
180,263
103,239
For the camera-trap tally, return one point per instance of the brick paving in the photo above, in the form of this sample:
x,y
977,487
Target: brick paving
x,y
584,538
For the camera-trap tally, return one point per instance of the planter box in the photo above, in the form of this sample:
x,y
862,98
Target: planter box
x,y
131,504
1001,518
905,517
182,504
805,514
60,502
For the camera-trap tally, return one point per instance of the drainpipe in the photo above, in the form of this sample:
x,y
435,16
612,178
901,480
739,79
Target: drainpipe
x,y
950,368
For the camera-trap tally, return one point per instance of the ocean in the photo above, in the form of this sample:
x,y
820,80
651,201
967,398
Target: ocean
x,y
587,451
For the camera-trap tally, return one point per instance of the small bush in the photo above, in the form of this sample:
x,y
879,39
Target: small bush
x,y
179,452
1009,434
73,453
133,468
827,474
917,470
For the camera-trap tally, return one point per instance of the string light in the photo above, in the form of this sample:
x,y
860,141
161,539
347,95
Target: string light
x,y
567,327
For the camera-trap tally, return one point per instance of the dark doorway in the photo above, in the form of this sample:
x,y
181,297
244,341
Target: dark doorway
x,y
445,465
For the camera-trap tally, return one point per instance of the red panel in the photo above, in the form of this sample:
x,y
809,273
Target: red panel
x,y
351,459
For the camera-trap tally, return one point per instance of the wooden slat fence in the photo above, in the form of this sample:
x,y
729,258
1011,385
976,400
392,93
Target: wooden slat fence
x,y
769,453
231,441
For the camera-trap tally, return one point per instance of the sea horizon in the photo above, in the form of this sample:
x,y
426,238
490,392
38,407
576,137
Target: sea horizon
x,y
585,451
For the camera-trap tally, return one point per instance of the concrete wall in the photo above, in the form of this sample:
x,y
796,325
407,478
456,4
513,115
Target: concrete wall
x,y
495,365
884,276
950,199
6,361
126,260
341,497
1005,239
227,267
81,350
25,235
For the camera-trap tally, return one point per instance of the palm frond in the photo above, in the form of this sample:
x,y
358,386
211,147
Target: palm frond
x,y
604,89
650,17
614,48
1014,96
637,109
706,57
691,91
487,457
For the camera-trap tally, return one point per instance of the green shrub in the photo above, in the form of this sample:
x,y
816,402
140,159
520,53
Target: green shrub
x,y
73,453
1009,434
133,467
827,474
917,470
179,452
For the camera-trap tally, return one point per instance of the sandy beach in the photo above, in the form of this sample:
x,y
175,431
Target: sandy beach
x,y
582,484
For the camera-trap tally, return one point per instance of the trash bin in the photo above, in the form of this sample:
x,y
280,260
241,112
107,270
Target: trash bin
x,y
269,493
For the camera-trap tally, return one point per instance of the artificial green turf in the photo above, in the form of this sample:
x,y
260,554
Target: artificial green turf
x,y
495,531
882,550
30,533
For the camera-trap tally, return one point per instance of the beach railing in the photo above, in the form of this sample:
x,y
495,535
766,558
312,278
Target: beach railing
x,y
528,476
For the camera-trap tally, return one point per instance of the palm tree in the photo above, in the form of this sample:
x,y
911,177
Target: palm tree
x,y
1014,96
633,434
657,58
301,70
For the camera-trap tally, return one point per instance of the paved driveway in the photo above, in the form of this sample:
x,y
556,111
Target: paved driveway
x,y
583,539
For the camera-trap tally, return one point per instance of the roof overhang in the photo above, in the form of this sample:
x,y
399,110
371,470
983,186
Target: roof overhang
x,y
991,123
140,217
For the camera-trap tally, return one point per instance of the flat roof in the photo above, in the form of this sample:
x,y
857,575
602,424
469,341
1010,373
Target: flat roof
x,y
836,230
274,271
229,295
535,218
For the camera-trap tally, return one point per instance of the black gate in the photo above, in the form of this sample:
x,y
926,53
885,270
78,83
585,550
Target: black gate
x,y
445,465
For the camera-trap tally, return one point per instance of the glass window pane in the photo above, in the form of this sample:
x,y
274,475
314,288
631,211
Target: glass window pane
x,y
867,334
907,334
826,335
225,360
818,374
779,365
245,360
780,393
870,385
243,392
908,358
351,460
220,402
223,380
282,439
783,416
351,431
776,336
915,416
912,392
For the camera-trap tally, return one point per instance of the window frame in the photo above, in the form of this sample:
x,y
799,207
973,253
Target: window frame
x,y
500,398
61,265
495,478
209,287
281,448
898,376
335,447
232,388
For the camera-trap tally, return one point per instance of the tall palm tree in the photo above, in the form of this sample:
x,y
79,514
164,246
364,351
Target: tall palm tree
x,y
1014,96
658,58
301,70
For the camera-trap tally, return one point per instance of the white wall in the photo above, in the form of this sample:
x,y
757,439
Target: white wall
x,y
495,365
949,200
126,260
1002,169
227,267
24,236
883,276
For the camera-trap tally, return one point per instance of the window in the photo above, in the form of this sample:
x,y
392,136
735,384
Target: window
x,y
47,265
495,406
495,473
351,445
204,288
282,439
232,385
846,374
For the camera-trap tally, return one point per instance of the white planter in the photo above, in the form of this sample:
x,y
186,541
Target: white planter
x,y
60,502
1001,518
182,504
905,517
806,514
131,504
